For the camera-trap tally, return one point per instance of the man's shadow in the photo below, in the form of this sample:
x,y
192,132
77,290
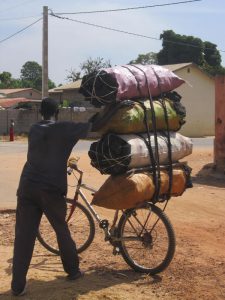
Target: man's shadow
x,y
95,279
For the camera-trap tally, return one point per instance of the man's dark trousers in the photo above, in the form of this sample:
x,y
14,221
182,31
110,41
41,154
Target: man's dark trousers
x,y
31,204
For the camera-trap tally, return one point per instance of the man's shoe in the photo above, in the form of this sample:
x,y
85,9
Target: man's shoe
x,y
75,276
19,293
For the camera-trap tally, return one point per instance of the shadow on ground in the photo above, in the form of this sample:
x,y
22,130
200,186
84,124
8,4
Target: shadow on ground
x,y
93,281
210,176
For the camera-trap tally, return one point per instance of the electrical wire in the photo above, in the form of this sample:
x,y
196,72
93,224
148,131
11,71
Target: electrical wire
x,y
19,18
126,32
125,9
7,38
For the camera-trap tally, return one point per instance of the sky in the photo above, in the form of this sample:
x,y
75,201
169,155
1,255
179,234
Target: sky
x,y
70,43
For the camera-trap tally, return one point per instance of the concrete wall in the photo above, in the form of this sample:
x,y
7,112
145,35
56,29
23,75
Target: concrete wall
x,y
23,119
198,97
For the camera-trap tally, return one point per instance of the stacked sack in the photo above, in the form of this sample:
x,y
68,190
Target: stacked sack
x,y
140,147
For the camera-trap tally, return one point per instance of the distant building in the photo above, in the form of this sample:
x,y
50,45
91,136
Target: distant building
x,y
28,93
69,93
23,97
198,97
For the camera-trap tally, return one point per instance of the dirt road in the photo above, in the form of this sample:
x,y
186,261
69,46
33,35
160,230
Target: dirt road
x,y
196,272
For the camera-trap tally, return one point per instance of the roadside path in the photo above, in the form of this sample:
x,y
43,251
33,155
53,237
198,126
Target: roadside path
x,y
13,157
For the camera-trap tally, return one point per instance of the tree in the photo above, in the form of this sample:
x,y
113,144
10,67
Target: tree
x,y
94,65
212,55
31,76
87,67
30,71
6,81
145,59
51,84
180,49
73,75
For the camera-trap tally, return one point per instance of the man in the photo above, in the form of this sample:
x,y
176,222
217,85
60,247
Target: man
x,y
42,188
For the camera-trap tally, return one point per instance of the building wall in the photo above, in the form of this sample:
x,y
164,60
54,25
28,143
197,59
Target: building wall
x,y
30,94
72,96
23,119
198,97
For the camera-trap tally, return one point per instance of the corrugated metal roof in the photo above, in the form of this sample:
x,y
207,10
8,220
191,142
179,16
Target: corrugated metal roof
x,y
10,91
10,102
72,85
176,67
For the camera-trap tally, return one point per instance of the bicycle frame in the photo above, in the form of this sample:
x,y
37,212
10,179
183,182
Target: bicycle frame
x,y
110,234
103,223
128,226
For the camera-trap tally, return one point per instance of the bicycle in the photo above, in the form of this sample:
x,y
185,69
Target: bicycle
x,y
143,235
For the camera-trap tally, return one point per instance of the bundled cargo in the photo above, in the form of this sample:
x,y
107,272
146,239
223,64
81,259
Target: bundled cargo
x,y
129,116
128,82
115,154
123,192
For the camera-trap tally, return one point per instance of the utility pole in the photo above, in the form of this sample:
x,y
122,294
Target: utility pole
x,y
45,53
219,142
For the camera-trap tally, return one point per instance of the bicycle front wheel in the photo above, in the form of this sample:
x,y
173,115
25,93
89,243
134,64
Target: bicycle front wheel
x,y
81,226
147,239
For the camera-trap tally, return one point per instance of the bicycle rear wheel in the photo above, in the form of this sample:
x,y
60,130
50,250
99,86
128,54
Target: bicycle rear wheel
x,y
147,239
81,226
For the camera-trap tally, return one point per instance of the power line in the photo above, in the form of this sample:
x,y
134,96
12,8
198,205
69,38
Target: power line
x,y
7,38
124,9
127,32
19,18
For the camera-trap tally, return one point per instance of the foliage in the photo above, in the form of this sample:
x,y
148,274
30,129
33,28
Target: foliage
x,y
212,55
145,59
73,75
30,71
180,49
88,66
65,103
6,81
94,65
51,84
31,77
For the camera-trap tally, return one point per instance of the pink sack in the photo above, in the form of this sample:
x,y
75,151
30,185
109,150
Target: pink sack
x,y
136,81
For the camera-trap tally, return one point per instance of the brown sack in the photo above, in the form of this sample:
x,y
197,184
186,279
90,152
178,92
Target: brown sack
x,y
122,191
178,185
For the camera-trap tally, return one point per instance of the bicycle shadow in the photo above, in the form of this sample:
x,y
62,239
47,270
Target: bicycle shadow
x,y
94,281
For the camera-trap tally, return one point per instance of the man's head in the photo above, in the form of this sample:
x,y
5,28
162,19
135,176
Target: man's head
x,y
49,108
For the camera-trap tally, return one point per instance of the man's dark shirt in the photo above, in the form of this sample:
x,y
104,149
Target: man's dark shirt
x,y
49,146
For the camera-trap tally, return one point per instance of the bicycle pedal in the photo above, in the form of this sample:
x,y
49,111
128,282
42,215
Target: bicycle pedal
x,y
116,251
104,224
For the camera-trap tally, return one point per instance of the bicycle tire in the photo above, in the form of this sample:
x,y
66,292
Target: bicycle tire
x,y
46,235
149,242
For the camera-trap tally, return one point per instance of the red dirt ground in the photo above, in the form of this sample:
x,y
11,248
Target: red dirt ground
x,y
196,272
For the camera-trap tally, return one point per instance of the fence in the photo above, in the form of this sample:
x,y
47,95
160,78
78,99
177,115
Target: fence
x,y
23,119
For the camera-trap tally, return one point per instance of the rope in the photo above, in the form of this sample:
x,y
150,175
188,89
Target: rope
x,y
170,169
156,158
